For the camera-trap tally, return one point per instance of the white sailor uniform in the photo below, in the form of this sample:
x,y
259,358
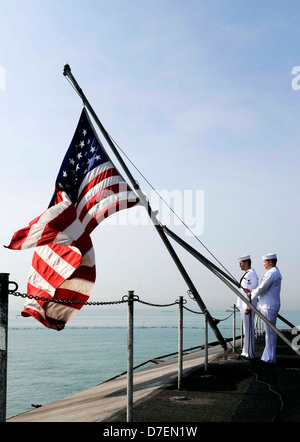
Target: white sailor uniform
x,y
248,281
269,304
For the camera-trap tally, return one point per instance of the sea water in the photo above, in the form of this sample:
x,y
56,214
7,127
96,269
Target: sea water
x,y
45,365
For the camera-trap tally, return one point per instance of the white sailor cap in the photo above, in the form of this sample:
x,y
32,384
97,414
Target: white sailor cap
x,y
244,258
270,256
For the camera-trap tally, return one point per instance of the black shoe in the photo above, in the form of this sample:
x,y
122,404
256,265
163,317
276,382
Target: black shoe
x,y
244,358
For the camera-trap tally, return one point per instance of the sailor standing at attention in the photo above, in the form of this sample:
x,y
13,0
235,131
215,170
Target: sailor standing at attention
x,y
268,292
249,281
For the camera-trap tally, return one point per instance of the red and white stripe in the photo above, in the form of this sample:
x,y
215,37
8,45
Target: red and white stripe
x,y
63,264
102,193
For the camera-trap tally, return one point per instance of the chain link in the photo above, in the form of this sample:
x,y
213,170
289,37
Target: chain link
x,y
158,305
124,300
63,301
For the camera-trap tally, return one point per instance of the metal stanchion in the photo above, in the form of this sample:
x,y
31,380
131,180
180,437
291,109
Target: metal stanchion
x,y
130,357
3,342
180,342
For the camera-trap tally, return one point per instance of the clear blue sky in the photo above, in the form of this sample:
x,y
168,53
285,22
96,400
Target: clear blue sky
x,y
198,93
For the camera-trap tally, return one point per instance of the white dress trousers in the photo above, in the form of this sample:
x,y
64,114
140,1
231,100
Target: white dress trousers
x,y
248,281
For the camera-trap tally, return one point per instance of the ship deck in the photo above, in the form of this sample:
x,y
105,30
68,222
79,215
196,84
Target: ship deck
x,y
231,390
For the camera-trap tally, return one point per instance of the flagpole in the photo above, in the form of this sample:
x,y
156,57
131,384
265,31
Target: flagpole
x,y
212,322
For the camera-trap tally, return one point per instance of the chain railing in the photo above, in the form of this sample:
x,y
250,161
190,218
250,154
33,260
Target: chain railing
x,y
128,299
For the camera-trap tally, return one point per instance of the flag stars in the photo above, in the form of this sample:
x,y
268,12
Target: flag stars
x,y
84,154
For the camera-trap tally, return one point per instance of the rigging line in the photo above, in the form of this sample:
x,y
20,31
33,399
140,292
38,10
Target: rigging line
x,y
148,182
172,210
70,82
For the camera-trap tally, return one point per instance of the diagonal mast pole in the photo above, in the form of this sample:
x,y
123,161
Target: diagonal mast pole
x,y
212,322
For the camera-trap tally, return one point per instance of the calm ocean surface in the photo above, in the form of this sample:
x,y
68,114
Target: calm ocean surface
x,y
45,365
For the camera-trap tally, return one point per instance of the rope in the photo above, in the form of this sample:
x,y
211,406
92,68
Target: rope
x,y
172,210
275,417
81,95
70,82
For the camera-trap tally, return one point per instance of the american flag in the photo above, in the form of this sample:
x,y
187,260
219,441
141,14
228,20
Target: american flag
x,y
88,189
90,179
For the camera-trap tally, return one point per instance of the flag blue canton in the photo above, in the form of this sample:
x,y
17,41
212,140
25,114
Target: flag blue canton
x,y
90,179
84,154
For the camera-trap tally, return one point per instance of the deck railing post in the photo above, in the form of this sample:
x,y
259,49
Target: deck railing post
x,y
130,357
3,343
180,341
